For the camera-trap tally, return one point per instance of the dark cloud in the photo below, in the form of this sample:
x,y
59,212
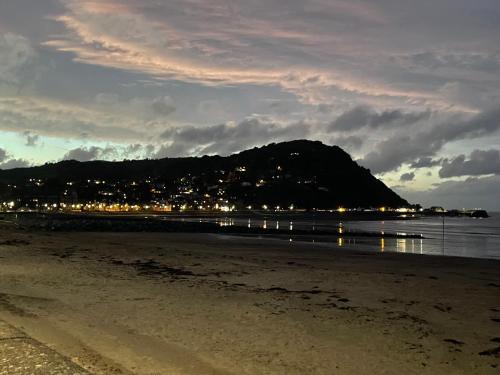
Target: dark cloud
x,y
111,152
83,154
55,120
425,162
402,148
479,163
107,99
133,149
351,142
31,139
7,162
16,56
325,108
432,60
90,153
163,106
471,193
3,155
149,151
407,177
362,116
225,139
14,163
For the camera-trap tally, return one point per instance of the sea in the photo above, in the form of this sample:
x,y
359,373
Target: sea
x,y
451,236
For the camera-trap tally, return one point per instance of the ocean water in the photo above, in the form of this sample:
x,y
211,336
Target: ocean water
x,y
461,236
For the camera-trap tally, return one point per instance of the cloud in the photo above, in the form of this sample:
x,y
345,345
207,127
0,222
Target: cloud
x,y
107,99
136,150
163,105
407,177
89,153
59,119
16,56
402,148
425,162
317,52
141,108
3,155
479,163
471,193
83,154
363,116
15,163
453,61
7,162
31,139
465,92
110,152
350,143
227,138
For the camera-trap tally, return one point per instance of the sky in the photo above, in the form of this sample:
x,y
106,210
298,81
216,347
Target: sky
x,y
411,89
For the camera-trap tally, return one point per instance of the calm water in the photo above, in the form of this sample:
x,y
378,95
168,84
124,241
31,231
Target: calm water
x,y
466,237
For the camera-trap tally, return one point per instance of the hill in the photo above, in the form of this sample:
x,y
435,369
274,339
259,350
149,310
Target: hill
x,y
302,173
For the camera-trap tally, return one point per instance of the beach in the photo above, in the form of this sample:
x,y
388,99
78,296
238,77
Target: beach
x,y
174,303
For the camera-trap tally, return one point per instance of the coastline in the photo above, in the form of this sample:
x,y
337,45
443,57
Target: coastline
x,y
213,304
463,237
169,224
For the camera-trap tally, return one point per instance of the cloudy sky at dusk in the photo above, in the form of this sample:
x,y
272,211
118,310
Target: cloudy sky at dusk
x,y
411,89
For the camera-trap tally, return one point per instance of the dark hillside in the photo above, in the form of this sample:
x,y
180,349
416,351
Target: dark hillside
x,y
304,173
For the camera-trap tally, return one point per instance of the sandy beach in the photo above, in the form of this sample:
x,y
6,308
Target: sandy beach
x,y
154,303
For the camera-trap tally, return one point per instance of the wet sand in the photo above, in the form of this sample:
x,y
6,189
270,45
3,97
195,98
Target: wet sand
x,y
153,303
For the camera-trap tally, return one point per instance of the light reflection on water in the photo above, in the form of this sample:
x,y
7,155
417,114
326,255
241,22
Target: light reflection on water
x,y
401,245
462,236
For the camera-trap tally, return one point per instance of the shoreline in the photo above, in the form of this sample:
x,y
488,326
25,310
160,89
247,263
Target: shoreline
x,y
229,305
373,238
145,223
